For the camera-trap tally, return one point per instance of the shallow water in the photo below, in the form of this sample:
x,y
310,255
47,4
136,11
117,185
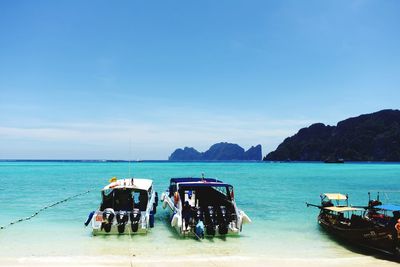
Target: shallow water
x,y
272,194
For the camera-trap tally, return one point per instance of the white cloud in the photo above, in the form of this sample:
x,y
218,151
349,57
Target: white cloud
x,y
112,139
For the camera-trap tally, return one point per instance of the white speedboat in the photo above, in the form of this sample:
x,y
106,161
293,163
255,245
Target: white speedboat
x,y
127,207
203,206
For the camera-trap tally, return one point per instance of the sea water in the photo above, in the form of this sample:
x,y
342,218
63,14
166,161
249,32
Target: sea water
x,y
272,194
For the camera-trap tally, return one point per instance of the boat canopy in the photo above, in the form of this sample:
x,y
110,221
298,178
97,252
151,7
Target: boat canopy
x,y
342,208
388,207
130,183
203,184
191,179
335,196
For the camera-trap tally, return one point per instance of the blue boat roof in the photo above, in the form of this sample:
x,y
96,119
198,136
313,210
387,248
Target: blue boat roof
x,y
389,207
192,179
205,184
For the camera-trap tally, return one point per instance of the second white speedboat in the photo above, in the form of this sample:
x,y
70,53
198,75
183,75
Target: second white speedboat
x,y
203,206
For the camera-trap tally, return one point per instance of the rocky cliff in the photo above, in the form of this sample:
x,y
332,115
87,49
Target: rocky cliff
x,y
369,137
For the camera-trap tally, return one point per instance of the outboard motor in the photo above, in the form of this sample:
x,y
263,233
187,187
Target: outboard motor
x,y
222,221
210,220
135,218
122,219
199,216
108,217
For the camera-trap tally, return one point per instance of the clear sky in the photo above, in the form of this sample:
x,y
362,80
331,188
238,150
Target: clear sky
x,y
137,79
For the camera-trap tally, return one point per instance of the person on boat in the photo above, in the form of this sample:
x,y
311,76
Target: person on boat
x,y
396,237
397,227
394,225
186,213
394,220
176,198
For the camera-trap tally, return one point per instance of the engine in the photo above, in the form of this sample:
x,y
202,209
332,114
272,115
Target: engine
x,y
210,220
135,218
108,217
122,219
223,220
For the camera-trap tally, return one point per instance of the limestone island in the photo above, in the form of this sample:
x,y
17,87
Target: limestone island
x,y
218,152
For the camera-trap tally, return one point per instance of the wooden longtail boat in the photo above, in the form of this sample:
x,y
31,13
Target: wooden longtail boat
x,y
374,227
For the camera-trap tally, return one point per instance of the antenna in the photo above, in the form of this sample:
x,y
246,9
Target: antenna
x,y
129,157
129,168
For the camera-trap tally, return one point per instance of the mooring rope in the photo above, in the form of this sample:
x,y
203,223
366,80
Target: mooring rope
x,y
44,208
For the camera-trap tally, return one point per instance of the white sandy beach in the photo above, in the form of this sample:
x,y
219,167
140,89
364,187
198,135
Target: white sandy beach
x,y
197,260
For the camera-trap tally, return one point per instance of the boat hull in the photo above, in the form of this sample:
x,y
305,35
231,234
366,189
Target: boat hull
x,y
372,237
99,228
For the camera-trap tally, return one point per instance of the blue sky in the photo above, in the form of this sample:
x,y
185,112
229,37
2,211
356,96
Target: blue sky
x,y
137,79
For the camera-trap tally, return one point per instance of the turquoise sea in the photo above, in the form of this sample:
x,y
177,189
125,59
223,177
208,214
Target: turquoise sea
x,y
272,194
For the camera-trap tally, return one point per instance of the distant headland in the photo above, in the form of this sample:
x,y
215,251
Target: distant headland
x,y
368,137
218,152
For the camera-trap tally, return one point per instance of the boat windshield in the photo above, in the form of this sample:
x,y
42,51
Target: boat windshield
x,y
124,199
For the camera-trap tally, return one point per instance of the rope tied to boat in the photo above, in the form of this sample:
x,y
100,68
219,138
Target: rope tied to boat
x,y
44,208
